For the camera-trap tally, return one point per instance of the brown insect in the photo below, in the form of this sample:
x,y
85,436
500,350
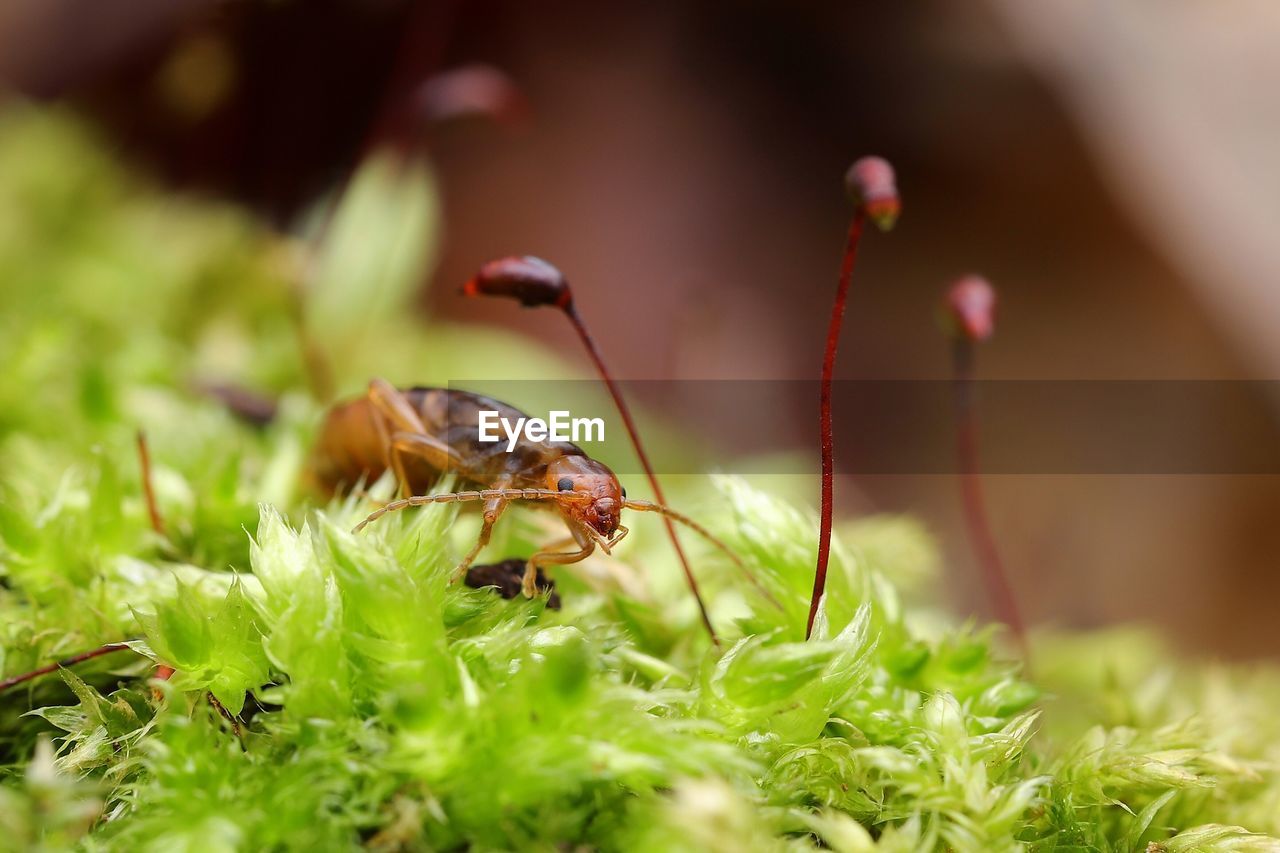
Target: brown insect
x,y
420,434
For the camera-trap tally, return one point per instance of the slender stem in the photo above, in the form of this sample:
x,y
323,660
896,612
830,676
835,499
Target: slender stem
x,y
625,412
824,415
980,536
226,715
65,662
144,461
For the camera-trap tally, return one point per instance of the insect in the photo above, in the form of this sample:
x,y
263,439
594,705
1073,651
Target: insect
x,y
420,434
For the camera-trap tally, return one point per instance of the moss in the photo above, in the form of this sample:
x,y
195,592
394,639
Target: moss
x,y
380,707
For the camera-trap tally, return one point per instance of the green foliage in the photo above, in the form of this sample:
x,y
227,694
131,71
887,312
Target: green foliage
x,y
212,641
44,808
363,701
375,253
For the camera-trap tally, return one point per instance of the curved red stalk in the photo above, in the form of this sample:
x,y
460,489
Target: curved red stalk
x,y
826,445
144,463
872,188
65,662
969,312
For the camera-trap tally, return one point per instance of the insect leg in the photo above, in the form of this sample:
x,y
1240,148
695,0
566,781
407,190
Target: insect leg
x,y
393,406
493,509
429,449
397,419
549,557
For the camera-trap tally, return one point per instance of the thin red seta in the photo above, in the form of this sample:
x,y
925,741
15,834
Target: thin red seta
x,y
65,662
163,672
968,314
871,186
148,492
534,282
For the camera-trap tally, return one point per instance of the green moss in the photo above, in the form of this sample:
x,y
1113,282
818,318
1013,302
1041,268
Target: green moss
x,y
384,708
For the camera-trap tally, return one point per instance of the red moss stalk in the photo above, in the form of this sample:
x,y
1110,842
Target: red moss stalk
x,y
969,318
148,492
65,662
871,186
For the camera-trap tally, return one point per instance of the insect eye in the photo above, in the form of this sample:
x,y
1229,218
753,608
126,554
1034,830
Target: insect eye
x,y
565,484
624,493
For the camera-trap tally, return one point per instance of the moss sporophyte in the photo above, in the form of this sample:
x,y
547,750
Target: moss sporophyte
x,y
359,700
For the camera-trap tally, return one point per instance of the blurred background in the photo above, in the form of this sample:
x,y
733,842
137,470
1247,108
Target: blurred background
x,y
1109,165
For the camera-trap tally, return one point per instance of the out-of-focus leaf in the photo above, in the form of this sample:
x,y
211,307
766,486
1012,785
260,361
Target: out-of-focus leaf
x,y
378,246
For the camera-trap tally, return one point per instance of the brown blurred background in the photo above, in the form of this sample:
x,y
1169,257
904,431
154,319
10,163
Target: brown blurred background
x,y
1105,164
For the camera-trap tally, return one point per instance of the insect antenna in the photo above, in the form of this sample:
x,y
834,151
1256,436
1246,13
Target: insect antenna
x,y
479,495
871,187
672,515
535,282
968,314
